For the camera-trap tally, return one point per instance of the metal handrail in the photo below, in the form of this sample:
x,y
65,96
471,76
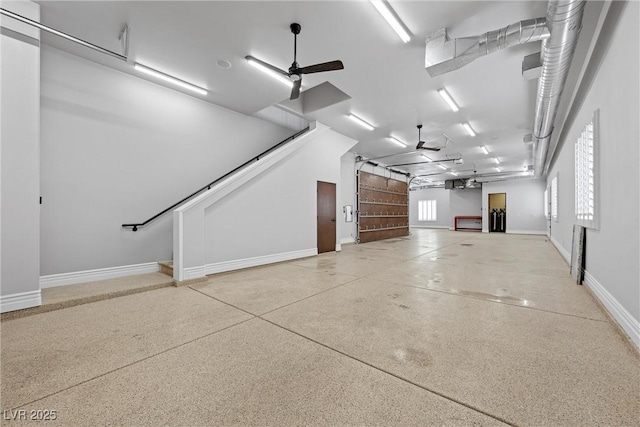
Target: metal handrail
x,y
208,186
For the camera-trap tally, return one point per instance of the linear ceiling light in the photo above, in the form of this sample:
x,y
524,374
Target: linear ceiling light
x,y
498,169
468,128
454,173
445,95
170,79
265,68
361,122
442,167
496,160
426,158
484,149
397,141
389,16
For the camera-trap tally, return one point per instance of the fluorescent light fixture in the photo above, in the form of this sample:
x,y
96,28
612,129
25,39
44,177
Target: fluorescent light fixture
x,y
454,173
168,78
498,169
496,160
386,12
468,128
426,158
268,71
397,141
361,122
484,149
442,167
445,95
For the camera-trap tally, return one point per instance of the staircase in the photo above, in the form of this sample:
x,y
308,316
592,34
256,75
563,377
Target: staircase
x,y
166,267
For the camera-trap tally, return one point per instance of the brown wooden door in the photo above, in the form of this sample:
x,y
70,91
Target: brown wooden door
x,y
326,217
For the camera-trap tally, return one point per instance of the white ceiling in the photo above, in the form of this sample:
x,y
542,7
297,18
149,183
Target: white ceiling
x,y
385,78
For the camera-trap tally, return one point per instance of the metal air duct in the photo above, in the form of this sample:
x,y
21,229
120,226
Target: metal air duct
x,y
564,19
443,55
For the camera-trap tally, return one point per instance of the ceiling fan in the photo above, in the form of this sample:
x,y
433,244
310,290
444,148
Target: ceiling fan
x,y
421,146
295,72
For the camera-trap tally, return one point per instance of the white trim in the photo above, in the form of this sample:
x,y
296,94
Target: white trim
x,y
338,247
238,264
542,233
194,273
431,226
626,321
20,301
97,274
563,252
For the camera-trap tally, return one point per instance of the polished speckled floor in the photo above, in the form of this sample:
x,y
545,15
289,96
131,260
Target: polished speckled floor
x,y
440,328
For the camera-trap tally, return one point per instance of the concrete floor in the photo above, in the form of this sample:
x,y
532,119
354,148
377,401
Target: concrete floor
x,y
440,328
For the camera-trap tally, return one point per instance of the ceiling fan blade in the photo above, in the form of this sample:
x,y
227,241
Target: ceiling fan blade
x,y
318,68
420,144
266,65
295,90
431,148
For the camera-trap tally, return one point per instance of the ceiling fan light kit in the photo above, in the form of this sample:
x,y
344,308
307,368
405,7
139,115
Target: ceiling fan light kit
x,y
294,75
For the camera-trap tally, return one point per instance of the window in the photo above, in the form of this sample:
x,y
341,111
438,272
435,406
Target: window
x,y
554,198
546,203
585,175
427,210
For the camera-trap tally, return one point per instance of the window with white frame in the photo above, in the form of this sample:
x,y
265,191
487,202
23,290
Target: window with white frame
x,y
427,210
546,203
585,203
554,198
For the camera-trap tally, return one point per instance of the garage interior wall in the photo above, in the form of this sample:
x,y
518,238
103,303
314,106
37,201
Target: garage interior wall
x,y
20,157
611,84
525,205
275,215
118,149
443,216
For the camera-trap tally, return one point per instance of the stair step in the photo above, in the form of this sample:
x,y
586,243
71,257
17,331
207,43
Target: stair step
x,y
166,267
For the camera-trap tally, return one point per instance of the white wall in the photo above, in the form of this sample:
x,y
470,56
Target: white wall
x,y
443,215
20,152
276,213
525,205
347,231
611,85
118,149
465,202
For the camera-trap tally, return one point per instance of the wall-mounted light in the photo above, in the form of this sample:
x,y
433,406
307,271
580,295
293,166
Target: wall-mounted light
x,y
387,13
449,100
484,149
167,78
361,122
469,129
397,141
268,70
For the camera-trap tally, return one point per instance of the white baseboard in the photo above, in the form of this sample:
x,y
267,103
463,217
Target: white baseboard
x,y
338,247
542,233
566,255
20,301
346,240
98,274
626,321
430,226
194,272
238,264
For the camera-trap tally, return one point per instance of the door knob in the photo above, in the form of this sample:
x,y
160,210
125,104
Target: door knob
x,y
333,220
